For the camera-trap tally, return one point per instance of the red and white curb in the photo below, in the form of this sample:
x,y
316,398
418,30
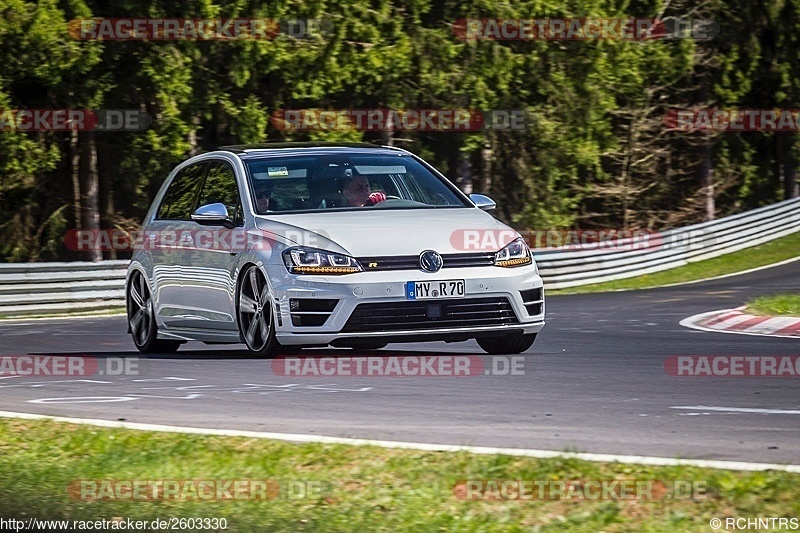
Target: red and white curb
x,y
737,321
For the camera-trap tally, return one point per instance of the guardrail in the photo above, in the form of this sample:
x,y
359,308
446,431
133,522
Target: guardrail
x,y
562,268
46,288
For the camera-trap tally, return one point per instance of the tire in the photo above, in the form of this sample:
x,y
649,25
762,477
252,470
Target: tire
x,y
254,311
507,345
141,318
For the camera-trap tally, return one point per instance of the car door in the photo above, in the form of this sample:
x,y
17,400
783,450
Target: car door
x,y
209,263
162,241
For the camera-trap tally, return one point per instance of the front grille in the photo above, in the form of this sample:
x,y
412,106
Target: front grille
x,y
311,311
397,316
531,295
312,305
411,262
534,309
532,299
308,320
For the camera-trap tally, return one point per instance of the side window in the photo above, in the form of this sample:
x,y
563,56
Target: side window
x,y
179,201
220,187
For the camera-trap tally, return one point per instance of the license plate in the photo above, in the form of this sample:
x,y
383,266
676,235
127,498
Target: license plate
x,y
435,290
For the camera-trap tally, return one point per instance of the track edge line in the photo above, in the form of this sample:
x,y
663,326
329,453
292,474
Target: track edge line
x,y
538,454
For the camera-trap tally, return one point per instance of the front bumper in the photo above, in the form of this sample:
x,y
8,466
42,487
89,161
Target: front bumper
x,y
491,283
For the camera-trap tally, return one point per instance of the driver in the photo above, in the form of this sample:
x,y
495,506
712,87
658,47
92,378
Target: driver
x,y
356,192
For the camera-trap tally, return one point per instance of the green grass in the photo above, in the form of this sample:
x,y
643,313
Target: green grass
x,y
764,254
368,488
778,304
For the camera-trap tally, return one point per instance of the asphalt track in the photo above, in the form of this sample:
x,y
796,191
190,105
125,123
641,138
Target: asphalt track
x,y
594,381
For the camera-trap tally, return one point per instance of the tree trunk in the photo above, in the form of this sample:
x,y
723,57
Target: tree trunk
x,y
707,179
194,149
91,188
390,132
706,168
485,182
668,177
464,179
625,206
108,210
75,167
790,186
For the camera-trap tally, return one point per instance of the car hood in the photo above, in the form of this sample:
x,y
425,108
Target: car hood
x,y
384,232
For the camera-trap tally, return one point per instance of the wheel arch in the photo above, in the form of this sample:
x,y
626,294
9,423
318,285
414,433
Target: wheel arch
x,y
244,267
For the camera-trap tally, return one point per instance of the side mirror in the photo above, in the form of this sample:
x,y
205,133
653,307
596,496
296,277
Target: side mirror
x,y
213,215
482,202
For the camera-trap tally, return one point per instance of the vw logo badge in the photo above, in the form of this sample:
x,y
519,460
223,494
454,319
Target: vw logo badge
x,y
430,261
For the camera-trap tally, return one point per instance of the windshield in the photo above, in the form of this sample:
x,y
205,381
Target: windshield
x,y
346,182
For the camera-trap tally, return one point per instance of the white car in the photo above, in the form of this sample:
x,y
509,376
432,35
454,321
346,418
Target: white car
x,y
299,244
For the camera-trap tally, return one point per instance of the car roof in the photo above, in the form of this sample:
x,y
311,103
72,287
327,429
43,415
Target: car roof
x,y
248,151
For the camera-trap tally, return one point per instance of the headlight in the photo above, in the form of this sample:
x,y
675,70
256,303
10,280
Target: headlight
x,y
515,254
314,261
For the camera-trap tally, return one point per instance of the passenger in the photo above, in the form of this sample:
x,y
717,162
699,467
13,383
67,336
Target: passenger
x,y
263,192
